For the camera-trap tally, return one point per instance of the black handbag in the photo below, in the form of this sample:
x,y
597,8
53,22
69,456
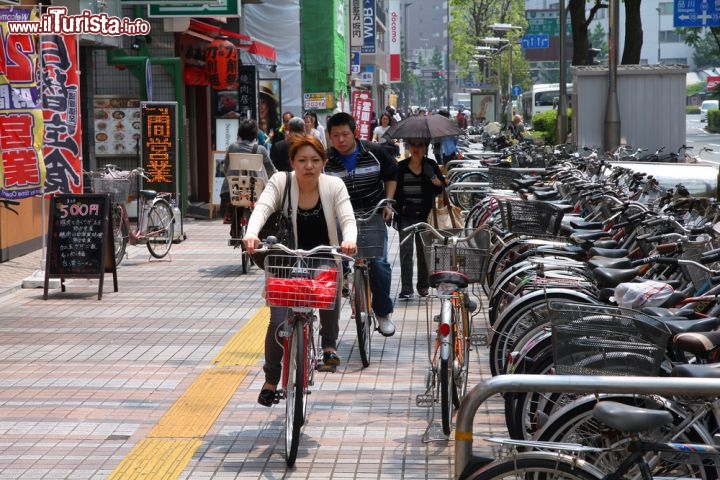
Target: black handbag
x,y
278,225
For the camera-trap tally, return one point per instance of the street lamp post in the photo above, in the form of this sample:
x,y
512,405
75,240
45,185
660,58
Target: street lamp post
x,y
507,27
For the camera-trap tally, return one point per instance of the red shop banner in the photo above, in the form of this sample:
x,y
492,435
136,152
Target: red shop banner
x,y
60,90
22,170
362,107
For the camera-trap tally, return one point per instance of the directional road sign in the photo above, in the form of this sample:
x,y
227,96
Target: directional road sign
x,y
696,13
540,40
516,91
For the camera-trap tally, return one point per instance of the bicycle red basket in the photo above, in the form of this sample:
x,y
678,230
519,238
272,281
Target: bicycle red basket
x,y
317,288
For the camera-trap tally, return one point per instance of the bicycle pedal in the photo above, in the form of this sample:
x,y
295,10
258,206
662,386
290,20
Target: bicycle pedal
x,y
424,400
479,339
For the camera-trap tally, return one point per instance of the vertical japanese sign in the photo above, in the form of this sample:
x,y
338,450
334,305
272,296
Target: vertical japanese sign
x,y
356,23
394,14
362,107
61,113
248,92
160,145
368,45
22,170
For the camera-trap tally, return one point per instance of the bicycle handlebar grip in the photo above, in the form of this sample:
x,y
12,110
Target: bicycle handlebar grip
x,y
712,257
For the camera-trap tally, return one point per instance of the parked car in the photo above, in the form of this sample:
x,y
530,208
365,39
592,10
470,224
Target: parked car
x,y
707,105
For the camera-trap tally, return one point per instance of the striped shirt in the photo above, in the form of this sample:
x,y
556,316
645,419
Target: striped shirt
x,y
365,183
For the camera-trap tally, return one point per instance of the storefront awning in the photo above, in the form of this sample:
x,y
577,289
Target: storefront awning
x,y
261,52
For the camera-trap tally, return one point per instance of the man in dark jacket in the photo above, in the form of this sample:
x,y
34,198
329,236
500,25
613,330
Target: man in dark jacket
x,y
370,175
279,152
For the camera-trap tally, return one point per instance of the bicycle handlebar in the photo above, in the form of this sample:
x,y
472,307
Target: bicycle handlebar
x,y
269,245
367,215
422,226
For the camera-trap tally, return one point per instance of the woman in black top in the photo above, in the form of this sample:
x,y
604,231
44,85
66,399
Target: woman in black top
x,y
419,181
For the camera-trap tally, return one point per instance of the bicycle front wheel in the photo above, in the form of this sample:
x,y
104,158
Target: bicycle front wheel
x,y
294,393
120,233
363,318
549,466
160,229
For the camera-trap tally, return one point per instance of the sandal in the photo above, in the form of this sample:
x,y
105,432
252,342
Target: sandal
x,y
330,359
268,397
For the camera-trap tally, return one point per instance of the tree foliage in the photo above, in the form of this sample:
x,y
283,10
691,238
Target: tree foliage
x,y
598,39
706,43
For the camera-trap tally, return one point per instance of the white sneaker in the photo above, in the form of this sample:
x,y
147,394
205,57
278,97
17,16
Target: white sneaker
x,y
386,326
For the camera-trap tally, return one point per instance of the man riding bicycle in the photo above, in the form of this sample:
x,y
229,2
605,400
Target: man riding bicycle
x,y
370,175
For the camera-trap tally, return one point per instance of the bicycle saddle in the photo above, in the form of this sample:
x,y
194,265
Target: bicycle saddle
x,y
629,418
456,278
695,370
607,252
611,277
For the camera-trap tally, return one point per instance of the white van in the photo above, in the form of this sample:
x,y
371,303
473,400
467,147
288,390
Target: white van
x,y
707,105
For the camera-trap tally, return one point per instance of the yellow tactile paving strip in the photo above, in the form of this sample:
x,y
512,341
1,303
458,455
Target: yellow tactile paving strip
x,y
158,459
196,410
171,444
246,345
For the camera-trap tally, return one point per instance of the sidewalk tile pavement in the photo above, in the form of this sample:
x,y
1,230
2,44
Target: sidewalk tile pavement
x,y
85,382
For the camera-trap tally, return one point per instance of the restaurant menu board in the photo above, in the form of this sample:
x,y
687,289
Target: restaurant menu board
x,y
117,125
79,241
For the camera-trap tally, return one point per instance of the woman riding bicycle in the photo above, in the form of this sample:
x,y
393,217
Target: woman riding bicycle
x,y
319,204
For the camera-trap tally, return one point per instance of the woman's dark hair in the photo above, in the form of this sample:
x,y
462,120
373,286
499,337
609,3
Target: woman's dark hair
x,y
389,117
273,120
340,119
313,115
247,130
299,141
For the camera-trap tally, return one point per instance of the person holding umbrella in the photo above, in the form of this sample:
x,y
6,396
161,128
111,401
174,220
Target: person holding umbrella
x,y
419,182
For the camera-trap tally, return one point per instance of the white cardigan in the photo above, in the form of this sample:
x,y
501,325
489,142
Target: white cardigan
x,y
333,196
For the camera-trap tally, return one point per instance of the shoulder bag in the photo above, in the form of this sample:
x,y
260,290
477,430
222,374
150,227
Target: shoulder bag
x,y
278,225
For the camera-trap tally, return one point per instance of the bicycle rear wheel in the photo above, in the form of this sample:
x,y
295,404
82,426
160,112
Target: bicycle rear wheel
x,y
463,331
447,383
160,229
363,316
120,233
535,466
294,392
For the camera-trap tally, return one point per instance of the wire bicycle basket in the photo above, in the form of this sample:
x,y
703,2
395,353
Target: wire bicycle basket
x,y
371,237
301,282
531,217
605,340
119,184
470,257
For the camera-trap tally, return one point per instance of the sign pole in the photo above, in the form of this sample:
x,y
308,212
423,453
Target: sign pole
x,y
562,119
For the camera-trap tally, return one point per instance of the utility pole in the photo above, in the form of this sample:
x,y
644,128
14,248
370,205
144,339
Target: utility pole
x,y
406,80
447,70
612,107
562,119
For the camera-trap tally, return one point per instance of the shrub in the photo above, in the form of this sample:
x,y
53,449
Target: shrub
x,y
692,110
713,120
544,125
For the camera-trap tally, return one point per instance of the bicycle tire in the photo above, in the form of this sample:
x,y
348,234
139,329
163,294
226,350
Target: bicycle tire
x,y
535,465
461,365
310,362
363,315
120,233
467,200
244,257
575,423
160,228
446,379
294,393
522,315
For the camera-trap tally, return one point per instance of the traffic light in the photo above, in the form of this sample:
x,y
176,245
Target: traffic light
x,y
440,74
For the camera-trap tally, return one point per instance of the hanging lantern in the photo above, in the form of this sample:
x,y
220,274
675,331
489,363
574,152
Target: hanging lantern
x,y
222,63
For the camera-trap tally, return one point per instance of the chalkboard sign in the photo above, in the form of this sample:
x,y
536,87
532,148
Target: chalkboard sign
x,y
80,243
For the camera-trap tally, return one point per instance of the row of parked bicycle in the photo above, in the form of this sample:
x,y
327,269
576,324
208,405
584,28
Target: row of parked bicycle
x,y
588,269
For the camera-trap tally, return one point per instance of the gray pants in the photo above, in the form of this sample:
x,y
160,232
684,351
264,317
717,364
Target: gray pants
x,y
329,331
406,258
